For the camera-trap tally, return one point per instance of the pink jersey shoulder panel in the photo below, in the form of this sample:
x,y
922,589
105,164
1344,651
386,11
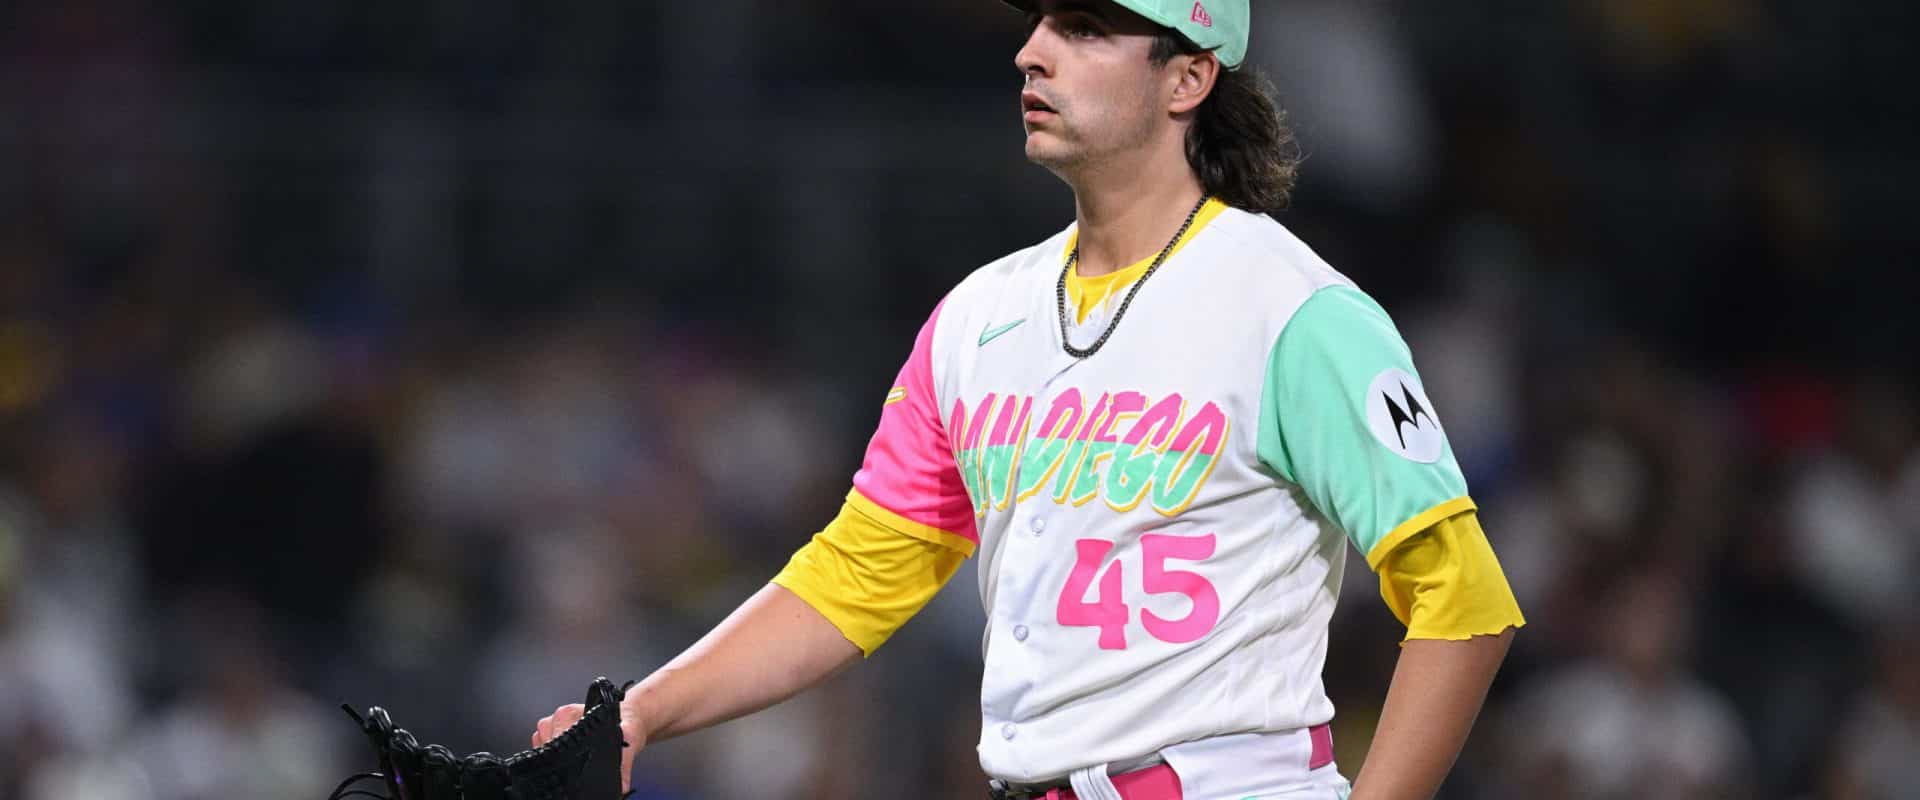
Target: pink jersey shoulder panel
x,y
909,467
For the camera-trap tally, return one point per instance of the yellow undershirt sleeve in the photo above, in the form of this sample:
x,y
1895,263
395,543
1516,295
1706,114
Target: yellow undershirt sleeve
x,y
1445,583
866,578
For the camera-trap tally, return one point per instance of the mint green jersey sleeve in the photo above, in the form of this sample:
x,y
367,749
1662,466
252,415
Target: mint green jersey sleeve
x,y
1343,416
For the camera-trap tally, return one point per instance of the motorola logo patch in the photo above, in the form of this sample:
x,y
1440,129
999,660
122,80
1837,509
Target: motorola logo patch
x,y
1401,417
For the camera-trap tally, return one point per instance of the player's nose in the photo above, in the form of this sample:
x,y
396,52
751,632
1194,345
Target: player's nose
x,y
1032,59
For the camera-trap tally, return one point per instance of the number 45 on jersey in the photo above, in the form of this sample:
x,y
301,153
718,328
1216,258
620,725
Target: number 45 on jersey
x,y
1110,613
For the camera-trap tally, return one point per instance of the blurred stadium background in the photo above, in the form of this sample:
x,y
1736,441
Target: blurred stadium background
x,y
443,355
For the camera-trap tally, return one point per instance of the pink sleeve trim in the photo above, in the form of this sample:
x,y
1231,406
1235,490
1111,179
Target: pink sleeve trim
x,y
909,468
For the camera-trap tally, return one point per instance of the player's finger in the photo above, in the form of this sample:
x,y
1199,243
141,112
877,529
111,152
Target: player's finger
x,y
630,733
562,719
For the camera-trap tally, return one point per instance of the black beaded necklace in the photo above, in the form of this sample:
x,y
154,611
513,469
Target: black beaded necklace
x,y
1060,290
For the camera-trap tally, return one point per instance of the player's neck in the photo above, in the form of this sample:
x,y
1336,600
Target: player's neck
x,y
1126,214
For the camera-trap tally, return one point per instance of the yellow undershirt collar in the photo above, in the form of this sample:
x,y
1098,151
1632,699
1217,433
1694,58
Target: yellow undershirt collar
x,y
1087,294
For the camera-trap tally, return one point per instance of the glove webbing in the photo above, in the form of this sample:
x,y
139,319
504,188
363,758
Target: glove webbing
x,y
581,763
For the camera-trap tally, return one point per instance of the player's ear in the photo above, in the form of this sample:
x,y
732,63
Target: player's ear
x,y
1194,77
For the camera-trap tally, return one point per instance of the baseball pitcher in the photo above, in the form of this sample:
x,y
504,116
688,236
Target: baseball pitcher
x,y
1158,430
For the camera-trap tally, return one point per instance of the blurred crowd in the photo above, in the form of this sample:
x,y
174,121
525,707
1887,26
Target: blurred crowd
x,y
444,356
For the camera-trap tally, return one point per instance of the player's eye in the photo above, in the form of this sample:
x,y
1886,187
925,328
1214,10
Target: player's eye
x,y
1074,26
1080,27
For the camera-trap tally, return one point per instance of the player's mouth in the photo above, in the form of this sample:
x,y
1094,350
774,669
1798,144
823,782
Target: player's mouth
x,y
1035,109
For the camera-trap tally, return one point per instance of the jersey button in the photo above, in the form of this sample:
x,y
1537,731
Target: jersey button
x,y
1008,731
1039,524
1019,633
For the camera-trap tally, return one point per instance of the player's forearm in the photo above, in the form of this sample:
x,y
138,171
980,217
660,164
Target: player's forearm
x,y
771,648
1438,688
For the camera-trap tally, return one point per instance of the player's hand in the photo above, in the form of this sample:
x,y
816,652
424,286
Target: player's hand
x,y
631,731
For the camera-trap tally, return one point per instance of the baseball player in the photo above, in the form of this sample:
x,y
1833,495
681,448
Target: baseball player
x,y
1158,430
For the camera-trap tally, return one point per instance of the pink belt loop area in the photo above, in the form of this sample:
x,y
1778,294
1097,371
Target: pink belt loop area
x,y
1322,746
1152,783
1160,782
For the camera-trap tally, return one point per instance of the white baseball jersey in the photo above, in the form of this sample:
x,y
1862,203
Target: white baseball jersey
x,y
1162,525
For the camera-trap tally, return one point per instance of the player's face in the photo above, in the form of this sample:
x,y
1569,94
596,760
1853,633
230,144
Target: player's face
x,y
1091,90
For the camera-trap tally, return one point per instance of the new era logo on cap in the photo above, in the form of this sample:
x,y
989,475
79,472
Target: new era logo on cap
x,y
1201,16
1217,25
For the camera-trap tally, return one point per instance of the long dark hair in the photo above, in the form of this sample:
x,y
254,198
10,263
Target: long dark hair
x,y
1240,144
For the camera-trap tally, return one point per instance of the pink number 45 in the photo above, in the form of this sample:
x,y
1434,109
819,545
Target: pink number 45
x,y
1110,613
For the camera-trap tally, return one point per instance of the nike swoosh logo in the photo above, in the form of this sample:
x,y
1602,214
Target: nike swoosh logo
x,y
990,334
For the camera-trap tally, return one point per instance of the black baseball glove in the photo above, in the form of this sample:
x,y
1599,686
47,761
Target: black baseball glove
x,y
582,763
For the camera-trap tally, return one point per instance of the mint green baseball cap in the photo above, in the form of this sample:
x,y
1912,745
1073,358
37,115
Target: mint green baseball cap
x,y
1217,25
